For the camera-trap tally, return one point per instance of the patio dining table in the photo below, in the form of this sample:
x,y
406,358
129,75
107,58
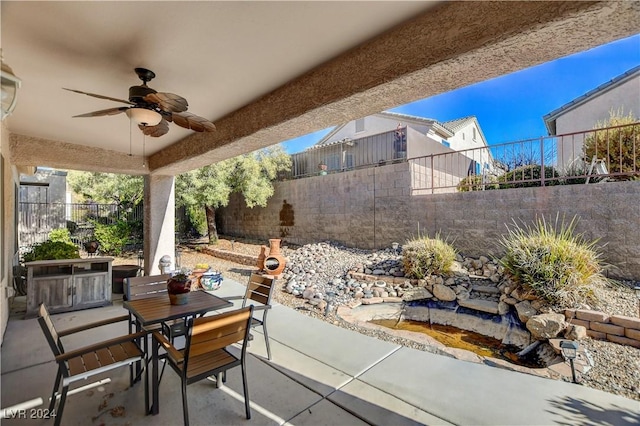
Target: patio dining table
x,y
158,309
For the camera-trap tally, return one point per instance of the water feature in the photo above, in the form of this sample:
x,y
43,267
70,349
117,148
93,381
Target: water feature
x,y
463,339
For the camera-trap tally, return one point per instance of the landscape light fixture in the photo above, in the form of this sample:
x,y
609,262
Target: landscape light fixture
x,y
141,259
637,290
10,85
570,351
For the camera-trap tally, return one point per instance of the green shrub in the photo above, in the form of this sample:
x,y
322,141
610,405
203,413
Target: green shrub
x,y
556,265
424,256
514,178
112,237
60,234
51,250
618,146
477,183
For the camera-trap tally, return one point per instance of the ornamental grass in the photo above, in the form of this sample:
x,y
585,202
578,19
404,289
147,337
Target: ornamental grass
x,y
556,264
424,256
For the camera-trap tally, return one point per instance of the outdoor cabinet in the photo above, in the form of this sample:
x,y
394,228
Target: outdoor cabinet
x,y
69,284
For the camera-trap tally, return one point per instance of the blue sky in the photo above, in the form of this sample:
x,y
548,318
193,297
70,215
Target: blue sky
x,y
511,107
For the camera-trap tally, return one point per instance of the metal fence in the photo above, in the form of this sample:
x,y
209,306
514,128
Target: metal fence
x,y
349,154
611,153
37,220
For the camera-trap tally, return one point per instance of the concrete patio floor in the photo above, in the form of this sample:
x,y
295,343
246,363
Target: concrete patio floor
x,y
320,374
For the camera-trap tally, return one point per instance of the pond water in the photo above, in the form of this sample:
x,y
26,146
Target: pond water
x,y
462,339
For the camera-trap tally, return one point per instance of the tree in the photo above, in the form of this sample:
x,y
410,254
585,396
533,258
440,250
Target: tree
x,y
250,174
619,146
124,190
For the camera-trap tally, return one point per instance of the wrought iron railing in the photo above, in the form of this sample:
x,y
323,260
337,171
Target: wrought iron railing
x,y
611,153
37,220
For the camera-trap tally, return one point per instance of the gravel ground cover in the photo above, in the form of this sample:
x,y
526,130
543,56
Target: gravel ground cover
x,y
616,370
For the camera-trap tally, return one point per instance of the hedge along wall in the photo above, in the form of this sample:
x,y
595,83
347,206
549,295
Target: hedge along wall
x,y
371,208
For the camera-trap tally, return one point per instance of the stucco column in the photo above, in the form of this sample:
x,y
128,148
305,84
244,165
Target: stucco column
x,y
159,221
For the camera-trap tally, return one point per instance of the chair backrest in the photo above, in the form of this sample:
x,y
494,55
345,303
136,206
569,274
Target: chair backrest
x,y
259,289
49,330
144,287
208,334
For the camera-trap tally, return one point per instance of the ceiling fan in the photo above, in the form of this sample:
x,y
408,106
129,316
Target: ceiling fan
x,y
152,110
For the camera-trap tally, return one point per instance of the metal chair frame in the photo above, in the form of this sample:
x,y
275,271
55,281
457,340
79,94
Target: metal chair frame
x,y
82,363
205,353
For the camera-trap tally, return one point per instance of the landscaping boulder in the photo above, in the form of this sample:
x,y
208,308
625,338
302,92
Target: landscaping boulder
x,y
444,293
525,310
546,326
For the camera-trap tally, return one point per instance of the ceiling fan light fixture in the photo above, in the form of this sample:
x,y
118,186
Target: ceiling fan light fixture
x,y
144,116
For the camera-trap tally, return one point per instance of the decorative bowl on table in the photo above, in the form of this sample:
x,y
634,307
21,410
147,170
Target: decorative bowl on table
x,y
178,287
211,280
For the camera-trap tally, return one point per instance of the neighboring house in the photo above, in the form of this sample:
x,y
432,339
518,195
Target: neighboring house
x,y
389,137
584,112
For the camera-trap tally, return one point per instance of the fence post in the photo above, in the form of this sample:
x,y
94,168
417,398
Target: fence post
x,y
543,174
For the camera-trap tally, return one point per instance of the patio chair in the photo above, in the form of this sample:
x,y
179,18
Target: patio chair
x,y
82,363
146,287
206,354
259,289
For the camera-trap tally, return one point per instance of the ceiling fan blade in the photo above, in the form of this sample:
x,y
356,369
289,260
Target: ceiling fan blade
x,y
192,121
157,130
109,111
109,98
167,101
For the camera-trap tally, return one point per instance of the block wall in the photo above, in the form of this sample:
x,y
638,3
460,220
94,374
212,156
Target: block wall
x,y
371,208
615,328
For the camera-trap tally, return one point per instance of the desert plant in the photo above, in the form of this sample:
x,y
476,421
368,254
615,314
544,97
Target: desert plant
x,y
618,146
423,256
50,250
553,262
112,237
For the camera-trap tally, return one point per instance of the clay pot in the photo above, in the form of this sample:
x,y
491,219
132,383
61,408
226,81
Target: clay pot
x,y
178,288
274,263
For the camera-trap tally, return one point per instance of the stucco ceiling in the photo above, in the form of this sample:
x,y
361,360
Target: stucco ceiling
x,y
218,55
263,72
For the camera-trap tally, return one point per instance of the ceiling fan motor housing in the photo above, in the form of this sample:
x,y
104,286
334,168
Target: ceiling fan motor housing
x,y
137,93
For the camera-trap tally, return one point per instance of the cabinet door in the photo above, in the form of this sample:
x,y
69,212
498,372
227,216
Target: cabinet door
x,y
91,289
54,291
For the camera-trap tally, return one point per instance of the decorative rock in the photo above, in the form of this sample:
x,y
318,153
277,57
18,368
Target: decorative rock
x,y
358,295
480,305
525,310
444,293
521,294
378,272
575,332
503,308
372,301
417,293
546,326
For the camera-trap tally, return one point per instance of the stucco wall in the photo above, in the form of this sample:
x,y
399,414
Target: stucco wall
x,y
586,115
373,208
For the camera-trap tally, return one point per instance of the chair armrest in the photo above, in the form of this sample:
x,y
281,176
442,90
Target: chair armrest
x,y
173,353
93,325
261,307
92,348
233,298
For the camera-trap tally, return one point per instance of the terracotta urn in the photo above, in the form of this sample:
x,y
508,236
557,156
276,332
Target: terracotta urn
x,y
178,288
274,263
